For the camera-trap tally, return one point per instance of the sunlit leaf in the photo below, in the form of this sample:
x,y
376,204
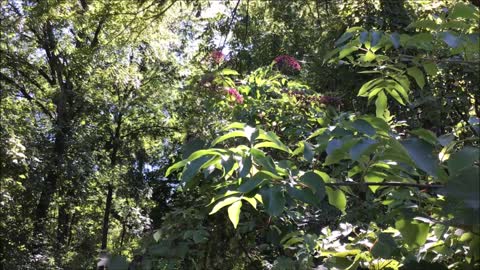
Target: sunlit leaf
x,y
234,213
337,198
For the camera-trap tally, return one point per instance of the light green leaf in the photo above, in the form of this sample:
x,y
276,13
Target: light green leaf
x,y
233,134
234,213
347,51
228,71
369,57
367,86
223,203
251,200
272,145
393,93
337,198
374,177
175,167
272,137
413,233
381,104
430,68
463,10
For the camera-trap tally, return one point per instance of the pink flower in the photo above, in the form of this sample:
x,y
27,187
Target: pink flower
x,y
234,93
217,56
287,62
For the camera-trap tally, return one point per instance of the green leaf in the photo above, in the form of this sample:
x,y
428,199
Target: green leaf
x,y
364,127
272,145
430,68
463,159
304,195
464,187
157,235
374,93
376,36
426,135
251,133
333,145
233,134
266,163
251,200
374,177
363,37
463,10
252,183
308,153
245,166
401,90
452,40
343,38
175,167
234,213
192,168
361,148
228,71
393,93
425,24
417,74
315,183
395,39
381,104
347,51
274,200
272,137
223,203
384,247
204,152
367,86
421,153
118,262
413,233
369,57
337,198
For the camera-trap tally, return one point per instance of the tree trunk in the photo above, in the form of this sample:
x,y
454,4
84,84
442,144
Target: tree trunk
x,y
109,199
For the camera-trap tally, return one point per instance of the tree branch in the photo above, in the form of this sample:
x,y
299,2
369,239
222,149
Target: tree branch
x,y
385,184
26,95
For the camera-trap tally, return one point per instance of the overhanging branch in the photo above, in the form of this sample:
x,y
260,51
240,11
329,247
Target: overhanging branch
x,y
386,184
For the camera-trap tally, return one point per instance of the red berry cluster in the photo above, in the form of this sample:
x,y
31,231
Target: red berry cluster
x,y
287,63
217,56
234,93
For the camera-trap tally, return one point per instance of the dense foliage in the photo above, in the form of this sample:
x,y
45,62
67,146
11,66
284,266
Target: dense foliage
x,y
306,134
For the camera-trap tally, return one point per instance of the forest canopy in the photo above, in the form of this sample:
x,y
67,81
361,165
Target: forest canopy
x,y
239,134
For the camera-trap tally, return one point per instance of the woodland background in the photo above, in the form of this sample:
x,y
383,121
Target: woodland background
x,y
249,134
